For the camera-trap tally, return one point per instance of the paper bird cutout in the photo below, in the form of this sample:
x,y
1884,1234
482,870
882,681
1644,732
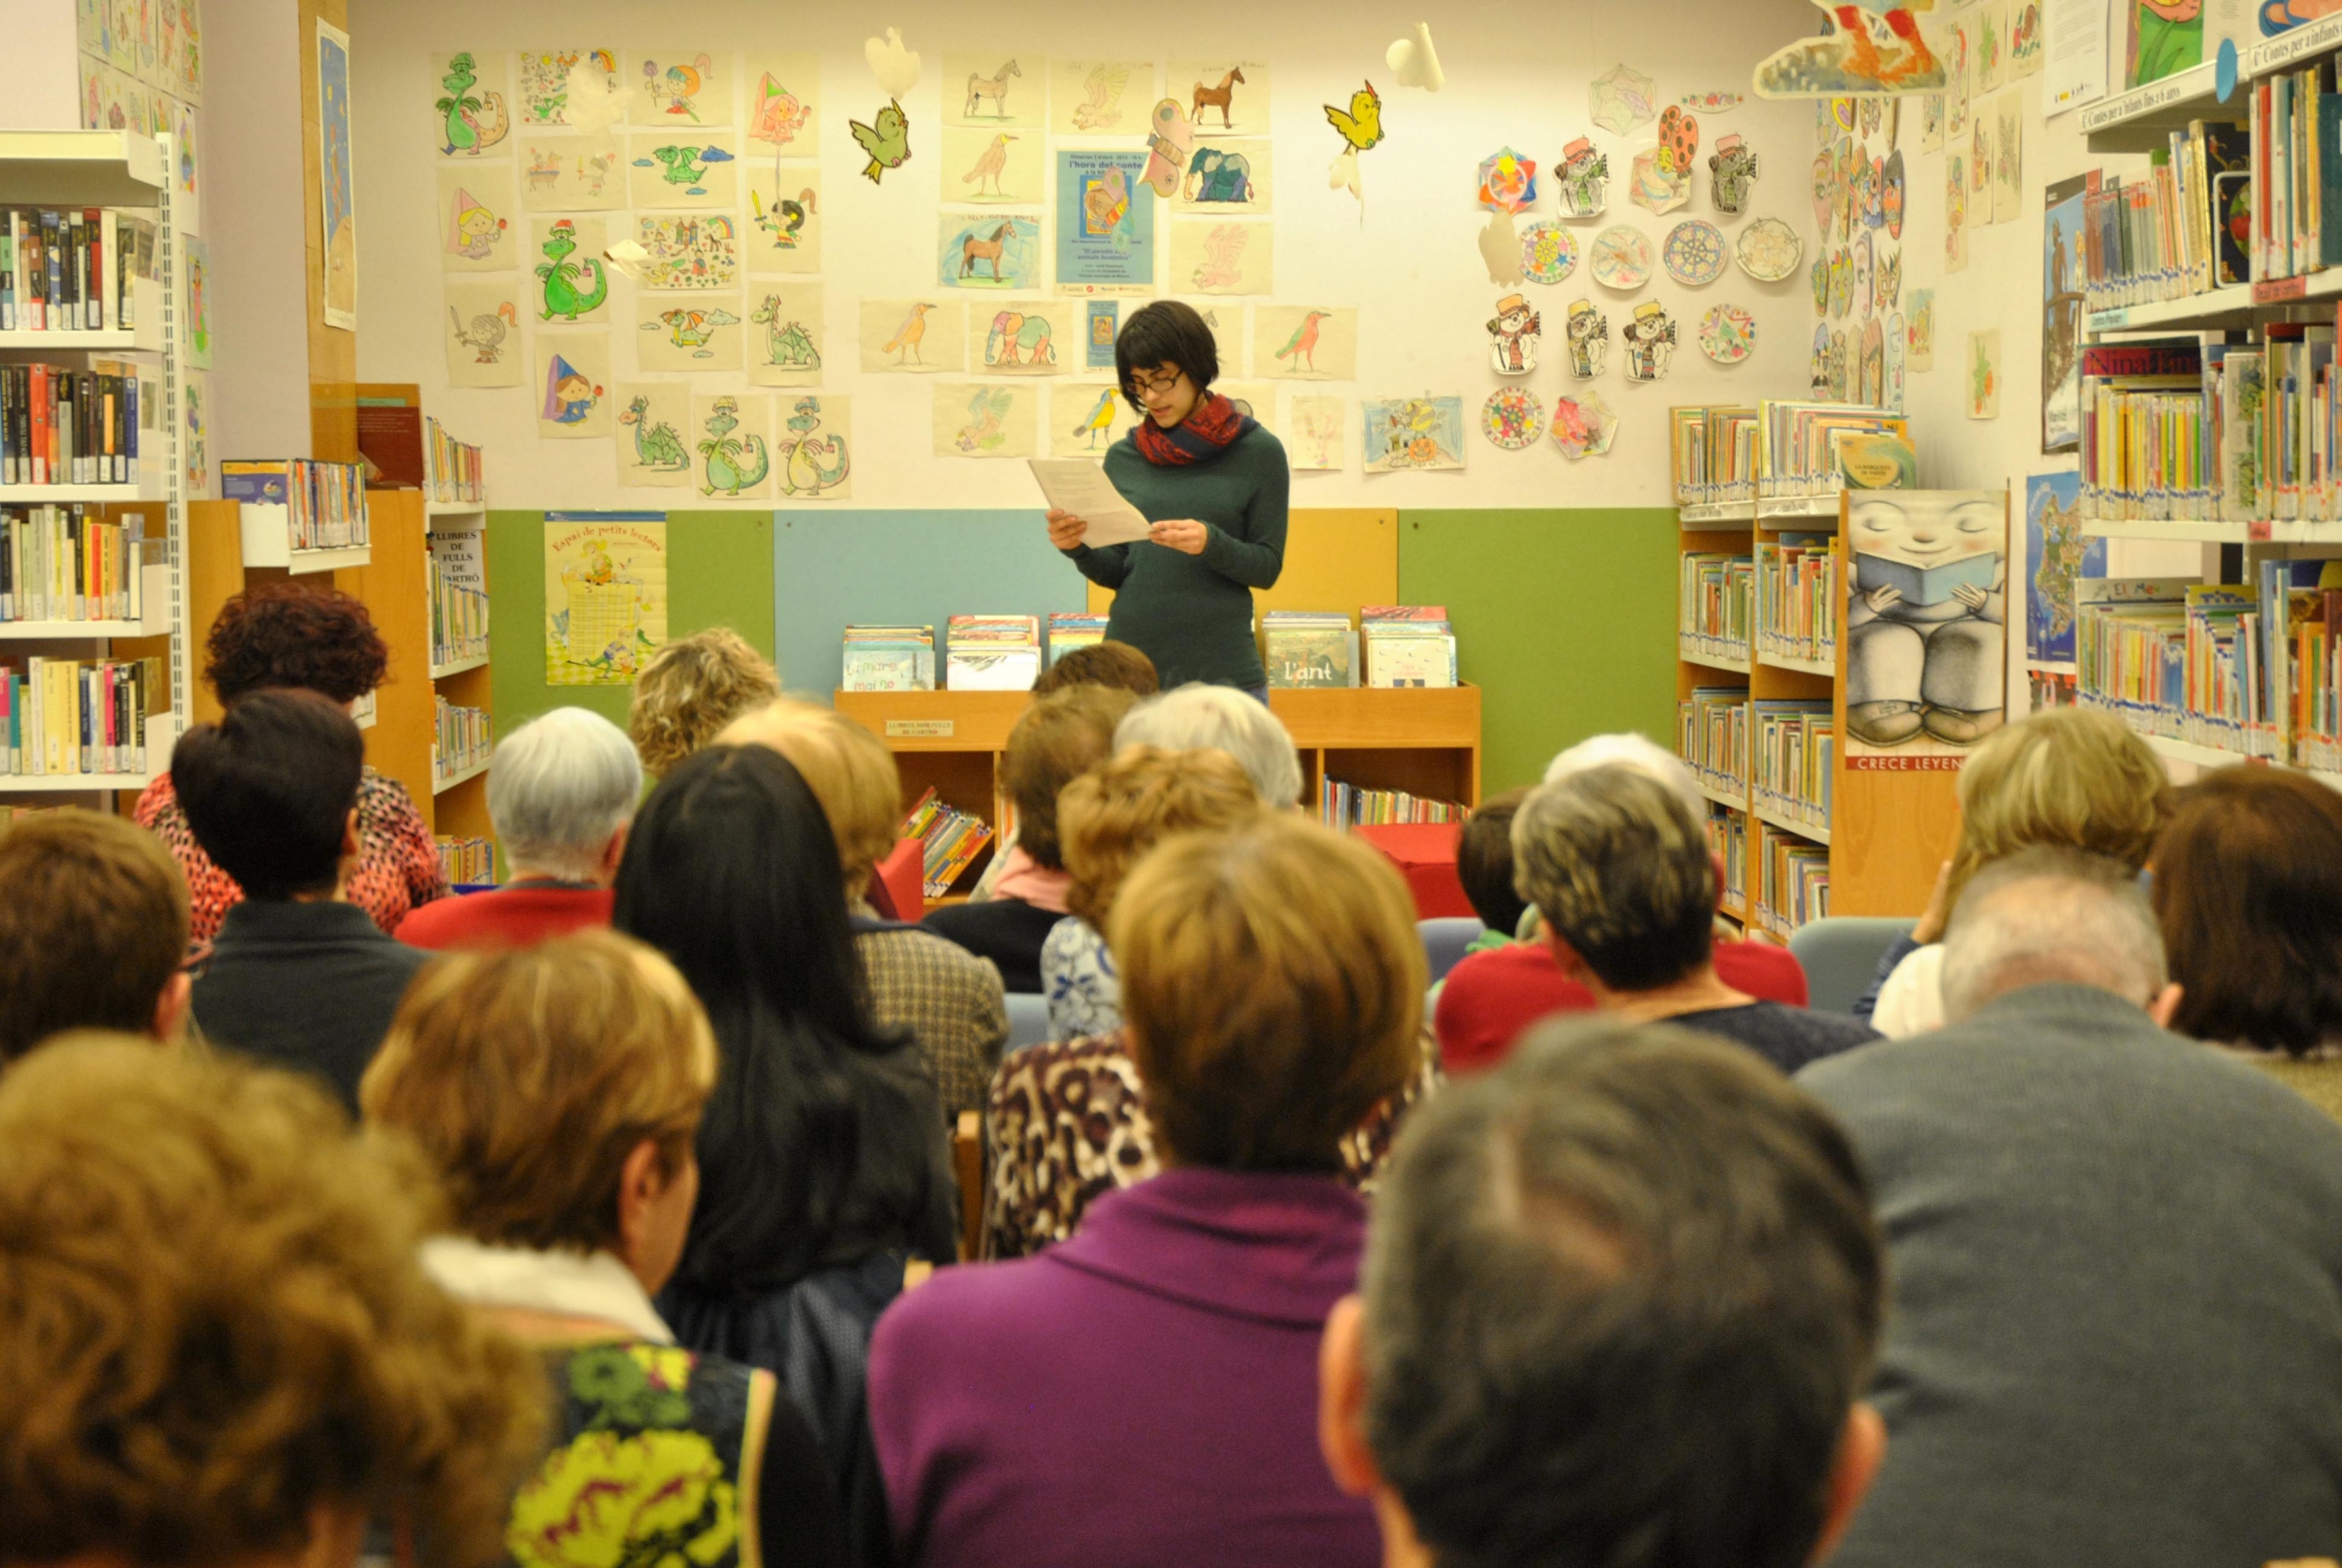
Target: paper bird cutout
x,y
1415,62
895,67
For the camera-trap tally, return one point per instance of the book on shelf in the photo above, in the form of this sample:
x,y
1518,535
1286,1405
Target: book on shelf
x,y
1727,836
72,270
462,738
67,716
453,470
1407,645
889,658
1793,885
459,595
325,503
63,563
390,443
1797,444
1715,604
1349,805
1074,628
468,862
992,653
1714,454
64,424
1798,599
1792,743
1712,736
949,841
1309,649
2149,449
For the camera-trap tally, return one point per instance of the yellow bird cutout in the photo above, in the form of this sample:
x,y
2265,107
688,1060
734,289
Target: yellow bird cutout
x,y
1362,127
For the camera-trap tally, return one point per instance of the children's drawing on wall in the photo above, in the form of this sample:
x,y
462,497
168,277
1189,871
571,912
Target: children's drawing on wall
x,y
1583,424
1959,76
811,450
2061,315
687,332
975,420
1585,179
652,417
1983,376
476,212
886,142
1515,333
913,335
1623,258
1589,333
732,455
1508,181
198,453
982,166
1100,98
1768,250
1023,337
1361,127
1728,333
1621,98
784,104
484,333
1891,193
1862,287
1931,122
1222,95
182,122
605,597
998,90
337,209
1887,286
1087,418
571,173
1870,368
786,335
687,250
2007,158
545,76
1650,339
573,380
1512,418
1306,342
469,108
1898,351
1731,171
2163,37
680,88
1316,439
1222,257
1101,324
1991,46
1106,230
1548,253
1256,400
999,251
1955,212
784,233
2057,556
1224,321
699,170
1226,174
2024,38
1925,624
199,297
1410,433
572,284
1694,253
1651,189
1868,49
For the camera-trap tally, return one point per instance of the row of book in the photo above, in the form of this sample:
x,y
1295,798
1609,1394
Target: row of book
x,y
459,597
1800,448
468,862
1712,736
1349,805
992,653
325,503
461,738
60,425
2174,228
2296,134
67,716
62,563
1714,460
1793,885
1792,744
1727,836
1715,605
70,270
452,471
1798,608
949,841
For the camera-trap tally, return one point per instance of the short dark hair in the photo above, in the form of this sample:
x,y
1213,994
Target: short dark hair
x,y
1060,738
2248,891
1621,1294
1165,333
92,926
278,635
1484,861
1113,664
269,790
1622,871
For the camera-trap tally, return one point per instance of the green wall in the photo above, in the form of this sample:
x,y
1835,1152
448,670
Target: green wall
x,y
1565,619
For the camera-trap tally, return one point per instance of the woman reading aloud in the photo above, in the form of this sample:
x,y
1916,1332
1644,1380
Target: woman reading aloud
x,y
1212,483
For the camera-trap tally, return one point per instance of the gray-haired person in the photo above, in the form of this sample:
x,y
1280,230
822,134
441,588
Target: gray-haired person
x,y
1198,718
2117,1256
562,790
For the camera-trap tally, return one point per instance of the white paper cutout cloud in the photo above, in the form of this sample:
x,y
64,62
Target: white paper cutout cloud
x,y
1415,62
895,67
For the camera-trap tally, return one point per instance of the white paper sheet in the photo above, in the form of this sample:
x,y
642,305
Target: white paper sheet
x,y
1077,485
2074,71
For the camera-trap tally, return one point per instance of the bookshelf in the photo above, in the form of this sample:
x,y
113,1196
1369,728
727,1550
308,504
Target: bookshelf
x,y
117,171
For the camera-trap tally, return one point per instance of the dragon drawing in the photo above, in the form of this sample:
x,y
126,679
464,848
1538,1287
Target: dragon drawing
x,y
722,456
562,276
656,444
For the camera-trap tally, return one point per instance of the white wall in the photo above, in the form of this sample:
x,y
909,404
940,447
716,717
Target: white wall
x,y
40,84
1514,76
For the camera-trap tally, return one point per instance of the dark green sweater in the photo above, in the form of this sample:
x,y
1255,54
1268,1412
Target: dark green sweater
x,y
1193,614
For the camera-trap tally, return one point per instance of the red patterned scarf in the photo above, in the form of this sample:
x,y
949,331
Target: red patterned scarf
x,y
1211,430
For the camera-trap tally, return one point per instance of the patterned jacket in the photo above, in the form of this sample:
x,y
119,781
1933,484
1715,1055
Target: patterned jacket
x,y
948,999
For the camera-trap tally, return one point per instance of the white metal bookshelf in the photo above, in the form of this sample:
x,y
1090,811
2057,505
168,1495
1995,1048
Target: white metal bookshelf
x,y
119,169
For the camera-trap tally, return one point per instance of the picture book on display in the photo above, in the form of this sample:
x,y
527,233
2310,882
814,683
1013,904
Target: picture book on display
x,y
1408,645
889,658
992,653
1303,648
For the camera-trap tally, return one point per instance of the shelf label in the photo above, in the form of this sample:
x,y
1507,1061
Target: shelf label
x,y
2142,101
2277,290
2109,321
920,729
2316,37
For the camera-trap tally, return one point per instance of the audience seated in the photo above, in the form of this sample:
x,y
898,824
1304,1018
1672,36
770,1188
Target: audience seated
x,y
1620,868
93,930
2117,1330
295,636
561,790
555,1091
1142,1393
1488,999
1484,864
1107,819
298,975
690,689
2071,777
1197,717
824,1170
2248,891
1116,666
945,997
216,1344
1621,1302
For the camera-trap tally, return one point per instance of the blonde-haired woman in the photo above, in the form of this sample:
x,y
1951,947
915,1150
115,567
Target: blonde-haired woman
x,y
690,689
2071,777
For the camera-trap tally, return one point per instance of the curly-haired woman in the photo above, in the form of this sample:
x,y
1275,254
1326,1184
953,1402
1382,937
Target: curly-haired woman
x,y
286,636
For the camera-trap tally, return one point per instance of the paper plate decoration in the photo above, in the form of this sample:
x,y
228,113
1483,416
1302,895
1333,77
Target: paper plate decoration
x,y
1863,275
1731,169
1583,424
1512,418
1589,333
1650,336
1585,179
1768,250
1653,188
1622,257
1817,367
1727,334
1621,99
1548,252
1694,253
1713,103
1891,199
1508,181
1515,333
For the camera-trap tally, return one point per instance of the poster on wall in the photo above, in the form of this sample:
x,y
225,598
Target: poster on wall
x,y
1105,224
606,595
339,220
2057,554
2061,314
1926,616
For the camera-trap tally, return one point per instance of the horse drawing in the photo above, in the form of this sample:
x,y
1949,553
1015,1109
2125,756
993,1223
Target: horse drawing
x,y
1216,98
994,87
972,250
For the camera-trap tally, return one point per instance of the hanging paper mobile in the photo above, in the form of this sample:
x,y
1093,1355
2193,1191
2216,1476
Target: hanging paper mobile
x,y
1620,99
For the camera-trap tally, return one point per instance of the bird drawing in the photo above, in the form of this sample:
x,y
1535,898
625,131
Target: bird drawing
x,y
1100,420
988,165
1303,345
1362,127
905,343
485,336
888,144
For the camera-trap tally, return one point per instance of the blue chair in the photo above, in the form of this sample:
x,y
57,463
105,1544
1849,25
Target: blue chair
x,y
1840,954
1027,1020
1444,941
